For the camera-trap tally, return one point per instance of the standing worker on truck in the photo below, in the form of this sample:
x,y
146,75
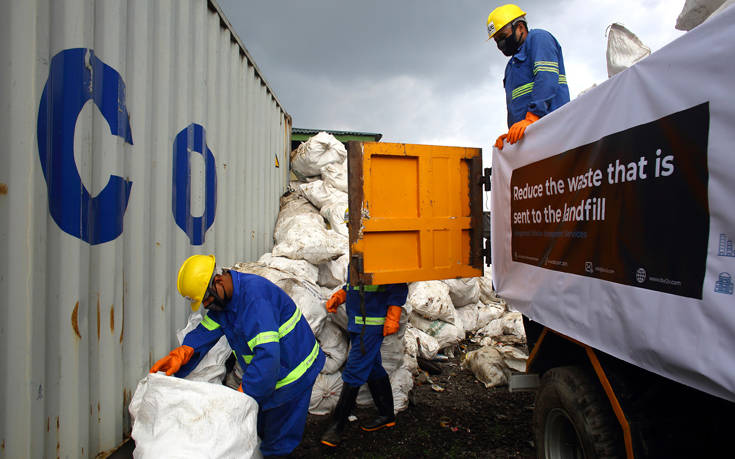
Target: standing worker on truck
x,y
535,81
377,316
270,338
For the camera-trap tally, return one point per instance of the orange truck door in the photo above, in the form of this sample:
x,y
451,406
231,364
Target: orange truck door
x,y
415,212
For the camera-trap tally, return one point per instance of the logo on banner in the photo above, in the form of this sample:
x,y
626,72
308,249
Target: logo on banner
x,y
628,200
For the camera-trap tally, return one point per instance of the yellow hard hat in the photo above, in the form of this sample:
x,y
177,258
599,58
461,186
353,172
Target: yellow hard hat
x,y
194,277
502,16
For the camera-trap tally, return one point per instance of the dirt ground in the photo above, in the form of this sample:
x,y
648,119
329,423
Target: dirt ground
x,y
464,420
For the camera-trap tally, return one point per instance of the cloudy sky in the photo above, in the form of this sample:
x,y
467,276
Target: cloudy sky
x,y
421,71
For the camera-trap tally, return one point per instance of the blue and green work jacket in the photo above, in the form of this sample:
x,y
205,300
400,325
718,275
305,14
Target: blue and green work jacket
x,y
535,80
272,341
377,300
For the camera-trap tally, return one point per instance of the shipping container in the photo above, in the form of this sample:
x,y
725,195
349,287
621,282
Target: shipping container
x,y
134,134
415,212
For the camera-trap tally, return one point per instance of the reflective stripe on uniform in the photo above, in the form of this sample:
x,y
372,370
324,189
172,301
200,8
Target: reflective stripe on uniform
x,y
289,324
369,288
209,324
299,371
562,79
263,338
521,90
370,320
545,66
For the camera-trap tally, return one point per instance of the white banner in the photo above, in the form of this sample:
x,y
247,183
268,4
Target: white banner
x,y
614,218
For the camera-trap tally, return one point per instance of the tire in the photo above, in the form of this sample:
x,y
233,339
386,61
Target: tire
x,y
573,417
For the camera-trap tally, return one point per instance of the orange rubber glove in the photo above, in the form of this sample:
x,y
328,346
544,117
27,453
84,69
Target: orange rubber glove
x,y
392,320
337,298
173,361
499,142
516,131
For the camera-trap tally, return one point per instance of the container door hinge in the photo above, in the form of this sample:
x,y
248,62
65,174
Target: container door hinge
x,y
486,178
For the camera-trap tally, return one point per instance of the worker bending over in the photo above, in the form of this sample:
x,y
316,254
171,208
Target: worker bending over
x,y
535,81
270,338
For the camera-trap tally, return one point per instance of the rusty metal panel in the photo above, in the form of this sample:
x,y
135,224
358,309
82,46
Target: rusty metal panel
x,y
135,134
415,212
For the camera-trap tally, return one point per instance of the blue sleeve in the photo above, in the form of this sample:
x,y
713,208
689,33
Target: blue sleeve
x,y
545,57
260,376
201,339
397,294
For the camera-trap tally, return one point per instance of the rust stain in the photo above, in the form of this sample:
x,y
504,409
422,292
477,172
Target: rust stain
x,y
75,320
98,316
58,424
161,306
158,244
3,188
112,319
122,325
2,445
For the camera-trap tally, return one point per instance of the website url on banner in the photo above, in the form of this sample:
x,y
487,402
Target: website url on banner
x,y
665,281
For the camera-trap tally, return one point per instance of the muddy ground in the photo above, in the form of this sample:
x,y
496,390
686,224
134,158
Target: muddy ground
x,y
464,420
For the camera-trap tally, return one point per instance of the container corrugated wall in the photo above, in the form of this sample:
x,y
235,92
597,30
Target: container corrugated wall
x,y
134,134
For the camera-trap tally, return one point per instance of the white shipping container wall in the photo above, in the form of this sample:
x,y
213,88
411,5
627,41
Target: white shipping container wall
x,y
134,134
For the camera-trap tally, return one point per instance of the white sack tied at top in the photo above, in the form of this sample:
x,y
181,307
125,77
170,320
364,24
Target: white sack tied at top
x,y
177,418
624,49
320,150
335,344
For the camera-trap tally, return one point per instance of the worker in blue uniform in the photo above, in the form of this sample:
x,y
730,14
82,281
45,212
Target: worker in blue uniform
x,y
270,338
535,81
370,318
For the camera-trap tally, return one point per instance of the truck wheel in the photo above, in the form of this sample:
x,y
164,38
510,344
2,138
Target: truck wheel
x,y
573,417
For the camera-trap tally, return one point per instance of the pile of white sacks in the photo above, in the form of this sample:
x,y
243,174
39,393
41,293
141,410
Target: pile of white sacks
x,y
309,261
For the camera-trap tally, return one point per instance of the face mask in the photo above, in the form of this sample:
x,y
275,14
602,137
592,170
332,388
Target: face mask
x,y
509,45
219,303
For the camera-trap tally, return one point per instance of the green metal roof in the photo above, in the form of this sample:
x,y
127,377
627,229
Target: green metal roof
x,y
342,136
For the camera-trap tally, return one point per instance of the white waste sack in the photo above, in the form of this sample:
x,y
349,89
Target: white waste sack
x,y
487,313
340,317
335,175
321,194
334,213
445,333
468,315
418,343
320,150
299,268
696,12
312,243
514,358
212,366
176,418
431,300
333,273
334,343
296,215
487,365
325,393
623,49
463,291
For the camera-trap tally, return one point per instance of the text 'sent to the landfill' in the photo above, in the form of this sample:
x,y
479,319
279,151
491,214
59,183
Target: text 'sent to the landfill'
x,y
614,209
